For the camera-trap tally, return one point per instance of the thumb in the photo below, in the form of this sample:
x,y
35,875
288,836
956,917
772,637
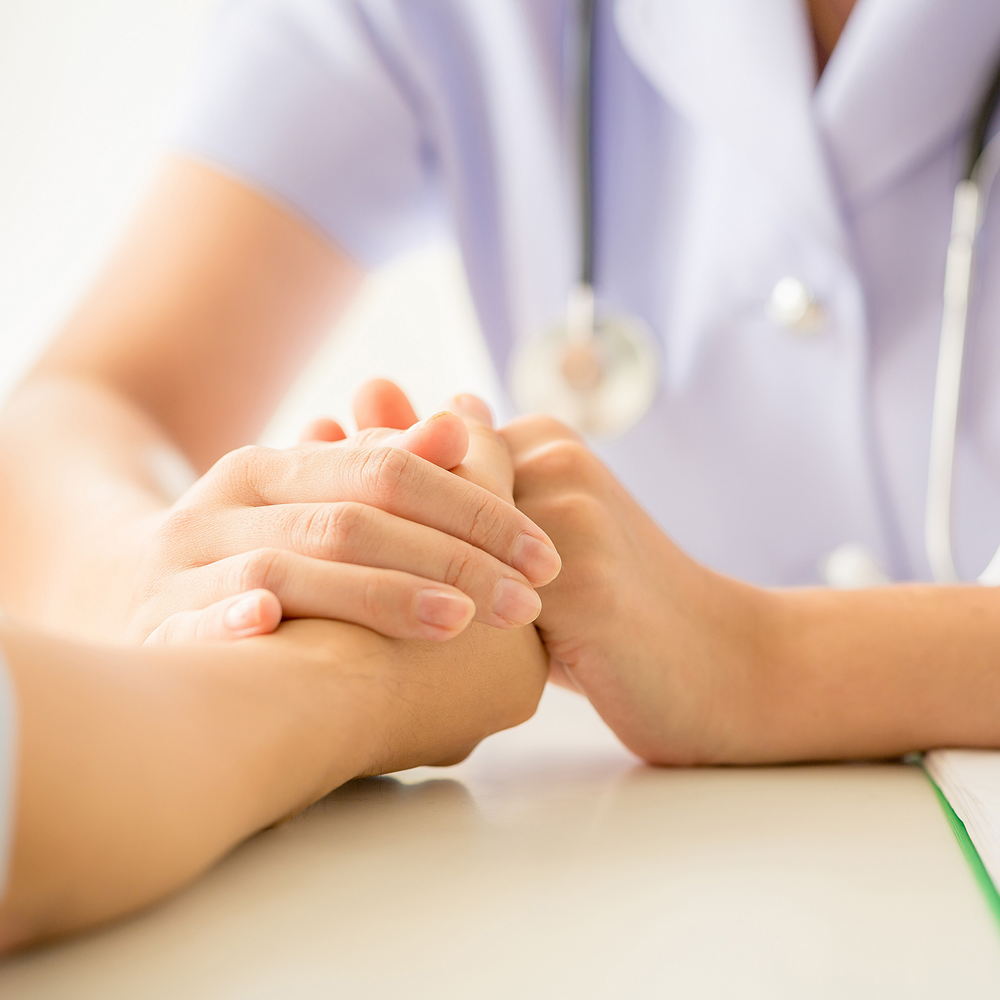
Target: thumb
x,y
488,461
381,403
442,439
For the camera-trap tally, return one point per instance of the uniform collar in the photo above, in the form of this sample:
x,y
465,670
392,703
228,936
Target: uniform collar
x,y
745,72
906,74
905,77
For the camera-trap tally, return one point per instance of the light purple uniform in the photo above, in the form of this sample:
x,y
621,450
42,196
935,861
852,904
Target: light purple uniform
x,y
722,169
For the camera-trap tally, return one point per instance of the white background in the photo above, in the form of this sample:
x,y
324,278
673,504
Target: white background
x,y
87,91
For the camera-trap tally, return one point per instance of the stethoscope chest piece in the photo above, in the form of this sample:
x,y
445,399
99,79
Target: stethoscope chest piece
x,y
600,377
595,370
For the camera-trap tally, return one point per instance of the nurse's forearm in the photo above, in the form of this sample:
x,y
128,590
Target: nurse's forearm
x,y
880,672
183,346
81,468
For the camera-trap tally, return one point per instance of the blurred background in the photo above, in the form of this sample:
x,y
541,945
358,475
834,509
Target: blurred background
x,y
88,89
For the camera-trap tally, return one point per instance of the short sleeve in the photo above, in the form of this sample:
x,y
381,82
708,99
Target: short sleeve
x,y
302,100
8,744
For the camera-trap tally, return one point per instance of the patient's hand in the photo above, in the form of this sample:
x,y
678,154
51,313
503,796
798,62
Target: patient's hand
x,y
410,703
372,530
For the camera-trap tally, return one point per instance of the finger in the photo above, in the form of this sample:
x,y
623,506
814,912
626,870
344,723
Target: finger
x,y
528,433
367,536
472,408
322,429
257,612
393,480
442,439
488,461
381,403
395,604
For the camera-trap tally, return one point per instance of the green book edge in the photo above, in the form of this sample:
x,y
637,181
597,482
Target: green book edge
x,y
979,872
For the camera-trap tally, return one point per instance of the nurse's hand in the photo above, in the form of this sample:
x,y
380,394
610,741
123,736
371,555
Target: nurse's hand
x,y
660,645
371,530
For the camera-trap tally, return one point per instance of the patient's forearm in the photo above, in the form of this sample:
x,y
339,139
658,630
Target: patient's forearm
x,y
138,768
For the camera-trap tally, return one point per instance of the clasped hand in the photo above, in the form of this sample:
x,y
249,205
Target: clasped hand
x,y
416,529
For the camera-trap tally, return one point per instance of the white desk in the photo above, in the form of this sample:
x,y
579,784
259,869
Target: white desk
x,y
552,865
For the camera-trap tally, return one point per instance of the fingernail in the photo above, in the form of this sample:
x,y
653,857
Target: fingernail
x,y
515,603
443,610
539,562
243,614
421,425
472,407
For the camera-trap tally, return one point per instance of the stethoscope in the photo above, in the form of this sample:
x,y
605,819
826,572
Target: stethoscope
x,y
852,565
599,370
596,370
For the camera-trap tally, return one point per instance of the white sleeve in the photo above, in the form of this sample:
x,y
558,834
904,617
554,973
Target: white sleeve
x,y
8,745
306,101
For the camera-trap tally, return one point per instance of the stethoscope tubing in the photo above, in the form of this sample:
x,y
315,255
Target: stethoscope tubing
x,y
971,193
981,165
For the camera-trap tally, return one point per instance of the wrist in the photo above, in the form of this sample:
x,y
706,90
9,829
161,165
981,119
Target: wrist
x,y
789,691
750,660
293,712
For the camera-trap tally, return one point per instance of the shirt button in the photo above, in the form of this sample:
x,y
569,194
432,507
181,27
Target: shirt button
x,y
793,306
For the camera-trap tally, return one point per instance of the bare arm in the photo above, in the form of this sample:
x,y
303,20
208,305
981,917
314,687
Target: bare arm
x,y
176,358
178,354
138,768
688,666
879,672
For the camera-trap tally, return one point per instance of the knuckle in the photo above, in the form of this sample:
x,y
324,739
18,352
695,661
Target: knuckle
x,y
258,570
179,523
178,538
566,460
237,470
345,520
461,568
373,599
383,472
234,463
573,511
330,531
543,427
486,528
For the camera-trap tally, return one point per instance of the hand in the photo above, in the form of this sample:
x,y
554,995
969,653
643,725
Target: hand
x,y
371,530
662,647
409,704
422,704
